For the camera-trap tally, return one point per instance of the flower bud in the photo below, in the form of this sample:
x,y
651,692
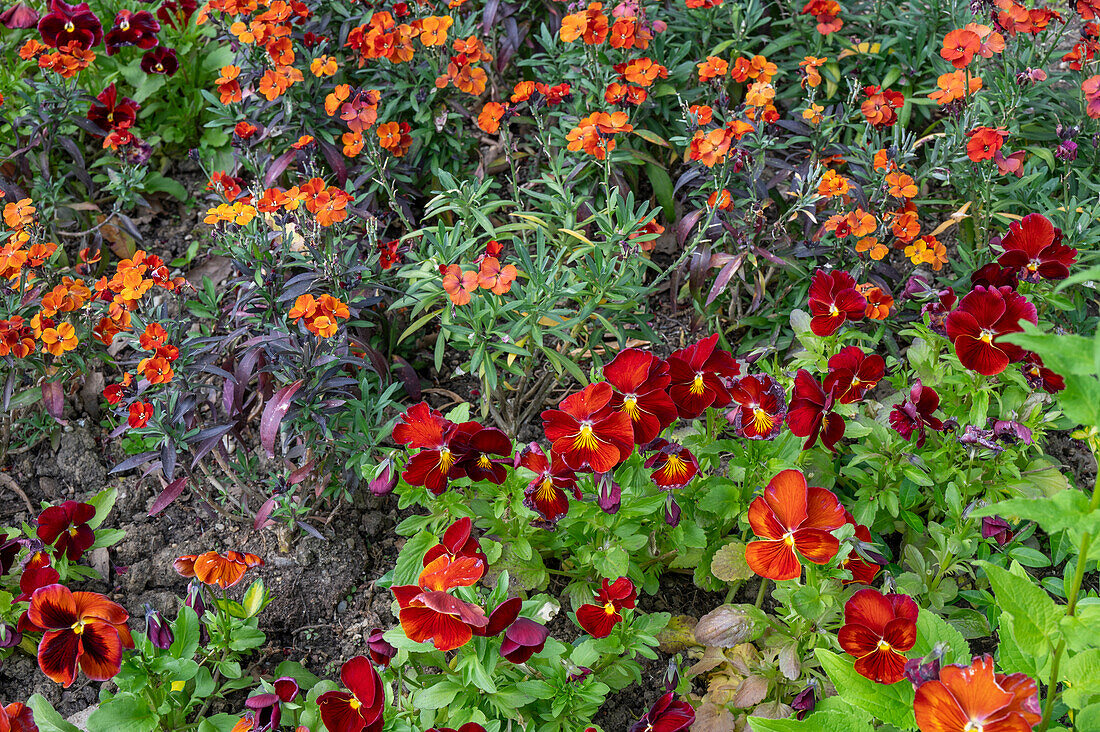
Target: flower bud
x,y
379,648
9,636
386,480
160,635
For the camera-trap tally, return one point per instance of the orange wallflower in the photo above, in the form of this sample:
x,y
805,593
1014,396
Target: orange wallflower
x,y
833,184
901,185
433,30
458,284
812,114
490,117
491,276
713,68
873,246
985,142
959,47
323,66
955,85
643,71
810,66
589,25
595,133
229,88
927,250
878,302
60,339
760,94
395,137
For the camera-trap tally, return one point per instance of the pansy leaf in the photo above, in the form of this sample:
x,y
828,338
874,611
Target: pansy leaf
x,y
892,704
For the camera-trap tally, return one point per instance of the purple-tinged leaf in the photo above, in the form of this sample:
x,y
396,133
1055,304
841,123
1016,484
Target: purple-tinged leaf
x,y
335,160
263,514
301,473
278,166
685,225
53,399
408,378
724,276
310,530
170,493
134,461
274,411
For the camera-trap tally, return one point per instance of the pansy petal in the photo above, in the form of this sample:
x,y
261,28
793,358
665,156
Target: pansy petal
x,y
52,607
773,559
102,651
882,666
58,652
858,640
786,494
816,545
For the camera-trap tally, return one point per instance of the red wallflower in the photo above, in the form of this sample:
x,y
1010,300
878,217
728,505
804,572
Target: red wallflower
x,y
878,630
852,373
587,432
429,613
811,413
211,568
82,629
1033,246
834,298
973,697
65,527
132,29
674,465
546,493
523,639
437,462
981,318
598,620
696,373
666,715
791,516
139,414
17,717
915,413
640,380
109,112
359,709
760,407
67,24
458,541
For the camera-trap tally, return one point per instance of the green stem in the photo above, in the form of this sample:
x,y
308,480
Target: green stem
x,y
1074,590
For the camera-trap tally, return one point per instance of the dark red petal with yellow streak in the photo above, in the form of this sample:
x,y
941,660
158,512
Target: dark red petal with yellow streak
x,y
101,648
858,640
53,607
338,714
421,427
596,621
95,605
546,499
359,677
58,652
882,666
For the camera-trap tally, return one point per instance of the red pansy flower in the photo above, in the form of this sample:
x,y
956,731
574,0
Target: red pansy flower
x,y
667,714
697,373
523,639
109,112
811,413
132,29
878,630
476,444
981,318
65,527
992,275
760,407
429,612
973,697
1034,247
674,465
381,651
1039,376
598,620
546,494
792,516
834,298
468,727
587,432
915,413
640,380
67,24
82,629
500,619
852,373
458,541
36,573
424,428
211,568
359,709
17,717
19,16
162,60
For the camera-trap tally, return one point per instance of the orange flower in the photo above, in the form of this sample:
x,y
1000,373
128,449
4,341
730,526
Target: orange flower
x,y
927,250
833,184
395,137
883,161
959,47
905,225
955,85
813,113
590,25
211,568
323,66
878,302
761,69
713,68
491,115
625,33
494,277
872,245
595,133
901,185
810,66
433,30
60,339
702,113
459,284
720,200
991,42
643,72
21,214
337,97
985,142
880,105
229,88
760,94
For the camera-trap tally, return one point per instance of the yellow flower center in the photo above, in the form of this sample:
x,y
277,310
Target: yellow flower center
x,y
675,466
609,609
834,311
788,538
354,703
72,532
630,406
856,382
69,27
77,627
484,461
446,459
761,420
973,726
697,385
987,336
884,646
586,438
124,25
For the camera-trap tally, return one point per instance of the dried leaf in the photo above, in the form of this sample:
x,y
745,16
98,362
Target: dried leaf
x,y
728,626
678,634
751,692
729,564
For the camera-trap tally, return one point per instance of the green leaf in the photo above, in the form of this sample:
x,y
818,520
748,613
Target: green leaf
x,y
255,598
932,629
103,501
1034,613
47,718
411,560
186,630
436,696
124,713
825,721
107,537
1067,509
892,704
219,723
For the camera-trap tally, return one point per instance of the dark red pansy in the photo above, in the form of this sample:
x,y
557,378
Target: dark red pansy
x,y
833,300
598,620
673,465
548,493
10,545
1039,376
423,428
667,714
66,24
458,541
976,326
640,380
35,575
994,275
160,60
80,629
523,639
176,13
359,709
429,613
878,630
760,407
19,16
502,616
587,432
132,29
696,377
938,310
109,112
66,529
380,650
477,445
852,373
811,413
1033,247
792,519
915,413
